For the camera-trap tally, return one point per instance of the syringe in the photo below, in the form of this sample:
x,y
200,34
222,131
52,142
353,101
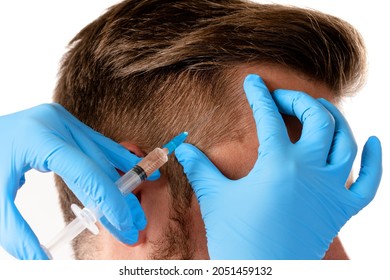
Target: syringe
x,y
87,218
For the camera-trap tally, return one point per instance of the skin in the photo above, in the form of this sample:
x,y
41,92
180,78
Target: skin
x,y
234,161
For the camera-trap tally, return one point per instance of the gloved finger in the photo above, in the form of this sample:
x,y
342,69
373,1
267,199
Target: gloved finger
x,y
318,123
94,152
118,155
92,180
269,123
106,152
129,236
90,184
344,148
200,171
370,173
16,236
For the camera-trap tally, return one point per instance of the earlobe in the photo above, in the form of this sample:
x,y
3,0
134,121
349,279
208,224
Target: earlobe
x,y
133,148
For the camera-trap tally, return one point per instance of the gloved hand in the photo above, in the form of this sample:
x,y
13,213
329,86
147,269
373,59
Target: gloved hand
x,y
294,201
49,138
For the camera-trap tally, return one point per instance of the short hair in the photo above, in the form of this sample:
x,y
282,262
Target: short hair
x,y
146,70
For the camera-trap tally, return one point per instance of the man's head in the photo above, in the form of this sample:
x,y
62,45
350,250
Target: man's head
x,y
146,70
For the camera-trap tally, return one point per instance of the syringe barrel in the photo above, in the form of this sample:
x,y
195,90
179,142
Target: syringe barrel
x,y
130,180
154,160
135,176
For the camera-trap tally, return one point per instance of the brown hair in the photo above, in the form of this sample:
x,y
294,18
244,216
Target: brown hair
x,y
146,70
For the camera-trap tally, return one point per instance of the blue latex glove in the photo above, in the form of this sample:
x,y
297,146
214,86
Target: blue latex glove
x,y
294,201
49,138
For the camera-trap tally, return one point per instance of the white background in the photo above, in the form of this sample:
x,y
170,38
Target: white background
x,y
33,39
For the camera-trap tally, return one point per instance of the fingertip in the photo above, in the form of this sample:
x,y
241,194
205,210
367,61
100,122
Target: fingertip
x,y
130,237
374,144
252,85
372,155
185,151
191,157
186,155
370,173
253,79
372,149
197,166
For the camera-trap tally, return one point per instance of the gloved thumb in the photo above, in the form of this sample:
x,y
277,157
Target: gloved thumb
x,y
202,174
370,173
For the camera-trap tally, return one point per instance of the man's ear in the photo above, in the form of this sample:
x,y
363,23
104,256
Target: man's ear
x,y
133,148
